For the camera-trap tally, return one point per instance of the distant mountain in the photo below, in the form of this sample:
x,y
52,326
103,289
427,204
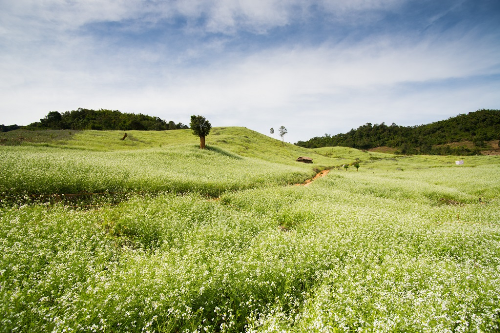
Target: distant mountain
x,y
84,119
476,127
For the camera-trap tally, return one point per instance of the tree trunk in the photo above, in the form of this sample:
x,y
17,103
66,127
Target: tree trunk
x,y
202,142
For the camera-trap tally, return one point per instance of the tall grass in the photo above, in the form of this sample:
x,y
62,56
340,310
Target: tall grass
x,y
43,170
328,257
403,245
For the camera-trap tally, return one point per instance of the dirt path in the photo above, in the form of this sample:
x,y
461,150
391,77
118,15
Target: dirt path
x,y
318,175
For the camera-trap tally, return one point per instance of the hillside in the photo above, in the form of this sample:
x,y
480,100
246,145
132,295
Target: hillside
x,y
69,162
465,134
153,234
235,140
74,162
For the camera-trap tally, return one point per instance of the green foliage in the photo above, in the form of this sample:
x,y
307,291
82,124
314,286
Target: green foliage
x,y
7,128
200,126
431,139
86,119
283,131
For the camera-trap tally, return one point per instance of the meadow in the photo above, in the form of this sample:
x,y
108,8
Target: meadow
x,y
223,240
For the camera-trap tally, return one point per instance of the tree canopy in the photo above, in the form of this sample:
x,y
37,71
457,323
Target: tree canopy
x,y
201,127
283,131
84,119
476,127
7,128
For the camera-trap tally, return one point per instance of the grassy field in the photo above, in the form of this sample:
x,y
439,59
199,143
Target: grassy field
x,y
222,241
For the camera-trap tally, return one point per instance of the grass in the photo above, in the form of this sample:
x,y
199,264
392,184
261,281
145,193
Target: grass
x,y
23,137
93,161
403,245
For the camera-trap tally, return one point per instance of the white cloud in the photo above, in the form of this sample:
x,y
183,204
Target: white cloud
x,y
47,65
224,16
352,83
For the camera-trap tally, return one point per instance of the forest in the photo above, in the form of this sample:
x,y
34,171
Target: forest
x,y
87,119
477,127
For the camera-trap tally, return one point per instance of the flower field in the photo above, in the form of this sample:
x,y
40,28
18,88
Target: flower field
x,y
402,245
45,170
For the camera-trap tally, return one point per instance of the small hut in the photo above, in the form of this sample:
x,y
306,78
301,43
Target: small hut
x,y
304,159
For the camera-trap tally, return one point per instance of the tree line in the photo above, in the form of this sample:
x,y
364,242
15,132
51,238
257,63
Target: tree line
x,y
8,128
87,119
477,127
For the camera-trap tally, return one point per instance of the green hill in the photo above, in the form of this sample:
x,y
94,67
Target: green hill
x,y
152,234
235,140
62,161
465,134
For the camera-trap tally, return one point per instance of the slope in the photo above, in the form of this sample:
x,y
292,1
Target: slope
x,y
101,162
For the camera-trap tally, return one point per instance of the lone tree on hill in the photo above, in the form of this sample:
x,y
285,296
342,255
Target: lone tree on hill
x,y
283,131
201,127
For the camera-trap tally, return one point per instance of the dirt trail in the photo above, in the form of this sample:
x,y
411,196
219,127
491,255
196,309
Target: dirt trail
x,y
318,175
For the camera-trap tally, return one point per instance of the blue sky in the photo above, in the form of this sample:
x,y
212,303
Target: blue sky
x,y
315,67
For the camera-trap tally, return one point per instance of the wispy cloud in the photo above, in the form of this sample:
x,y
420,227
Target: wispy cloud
x,y
257,64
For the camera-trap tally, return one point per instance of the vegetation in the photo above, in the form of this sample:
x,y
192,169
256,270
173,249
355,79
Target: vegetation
x,y
433,139
86,119
201,128
4,128
283,131
406,244
110,165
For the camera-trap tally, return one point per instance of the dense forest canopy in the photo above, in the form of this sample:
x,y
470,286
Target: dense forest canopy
x,y
84,119
477,127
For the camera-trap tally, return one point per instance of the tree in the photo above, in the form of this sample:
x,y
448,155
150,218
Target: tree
x,y
283,131
52,120
201,127
271,131
356,165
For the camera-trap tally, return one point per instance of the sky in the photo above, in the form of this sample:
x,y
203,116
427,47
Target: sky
x,y
315,67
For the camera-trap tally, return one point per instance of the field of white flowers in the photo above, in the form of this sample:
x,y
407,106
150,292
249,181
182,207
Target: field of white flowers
x,y
46,170
403,245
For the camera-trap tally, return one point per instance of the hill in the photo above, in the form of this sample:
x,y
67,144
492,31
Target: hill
x,y
69,162
239,141
465,134
153,234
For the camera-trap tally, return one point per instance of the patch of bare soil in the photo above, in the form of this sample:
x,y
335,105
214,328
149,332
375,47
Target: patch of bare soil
x,y
467,144
318,175
491,152
491,146
495,149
